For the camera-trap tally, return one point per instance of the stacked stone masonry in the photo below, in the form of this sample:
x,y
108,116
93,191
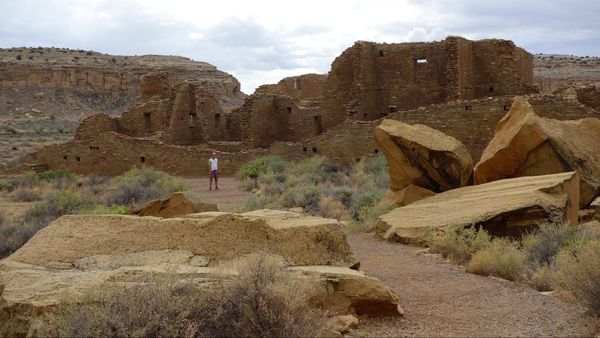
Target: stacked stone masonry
x,y
457,86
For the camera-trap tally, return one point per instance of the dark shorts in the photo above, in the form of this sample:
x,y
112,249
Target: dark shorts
x,y
214,174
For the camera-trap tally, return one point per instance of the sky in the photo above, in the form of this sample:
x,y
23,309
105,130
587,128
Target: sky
x,y
261,42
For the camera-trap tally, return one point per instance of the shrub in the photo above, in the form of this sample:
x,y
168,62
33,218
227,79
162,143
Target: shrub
x,y
368,216
160,307
501,258
331,208
253,202
363,201
541,279
54,175
459,245
543,245
142,184
25,194
305,196
264,300
578,272
103,209
262,165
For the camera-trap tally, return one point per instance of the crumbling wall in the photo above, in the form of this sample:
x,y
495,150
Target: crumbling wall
x,y
96,125
113,154
370,80
305,86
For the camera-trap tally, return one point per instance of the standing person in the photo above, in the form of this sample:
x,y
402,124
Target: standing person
x,y
213,163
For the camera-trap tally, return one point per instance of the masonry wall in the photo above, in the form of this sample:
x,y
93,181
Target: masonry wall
x,y
113,154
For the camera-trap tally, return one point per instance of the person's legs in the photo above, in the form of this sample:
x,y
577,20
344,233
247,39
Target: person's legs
x,y
210,181
216,179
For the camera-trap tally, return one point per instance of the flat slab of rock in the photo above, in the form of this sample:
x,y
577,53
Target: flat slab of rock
x,y
422,156
310,241
525,144
76,253
505,207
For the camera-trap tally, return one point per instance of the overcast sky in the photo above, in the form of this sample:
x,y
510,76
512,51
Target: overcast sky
x,y
263,41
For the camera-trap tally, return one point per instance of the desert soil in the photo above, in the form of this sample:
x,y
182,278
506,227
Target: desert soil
x,y
439,298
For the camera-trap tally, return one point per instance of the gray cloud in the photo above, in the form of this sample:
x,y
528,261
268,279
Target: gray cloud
x,y
257,52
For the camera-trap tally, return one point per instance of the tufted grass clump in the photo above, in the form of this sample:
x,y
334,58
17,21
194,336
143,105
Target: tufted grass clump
x,y
459,246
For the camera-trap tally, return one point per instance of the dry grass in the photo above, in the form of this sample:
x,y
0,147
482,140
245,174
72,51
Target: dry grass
x,y
578,272
459,245
501,259
263,300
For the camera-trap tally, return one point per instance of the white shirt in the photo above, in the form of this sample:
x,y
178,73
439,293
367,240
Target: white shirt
x,y
213,164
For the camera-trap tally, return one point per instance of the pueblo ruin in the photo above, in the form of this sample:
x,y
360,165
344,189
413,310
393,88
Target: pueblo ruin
x,y
458,86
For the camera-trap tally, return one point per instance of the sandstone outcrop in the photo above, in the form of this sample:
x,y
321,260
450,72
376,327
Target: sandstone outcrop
x,y
505,207
422,156
173,206
79,252
525,144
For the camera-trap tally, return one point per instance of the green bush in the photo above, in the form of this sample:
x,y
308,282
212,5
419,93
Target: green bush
x,y
253,202
501,258
578,272
262,165
460,245
142,184
54,175
26,194
305,196
364,201
543,245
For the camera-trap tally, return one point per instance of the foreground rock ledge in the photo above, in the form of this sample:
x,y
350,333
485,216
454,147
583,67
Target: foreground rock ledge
x,y
505,207
79,252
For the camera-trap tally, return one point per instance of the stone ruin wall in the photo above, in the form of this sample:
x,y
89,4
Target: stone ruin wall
x,y
589,95
113,154
369,81
472,122
181,113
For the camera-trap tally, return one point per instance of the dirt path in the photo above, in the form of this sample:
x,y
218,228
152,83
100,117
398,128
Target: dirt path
x,y
225,197
440,299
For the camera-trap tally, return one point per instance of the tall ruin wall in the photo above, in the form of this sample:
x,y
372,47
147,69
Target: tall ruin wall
x,y
589,96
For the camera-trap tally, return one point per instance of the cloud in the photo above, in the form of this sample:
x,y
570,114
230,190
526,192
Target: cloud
x,y
261,41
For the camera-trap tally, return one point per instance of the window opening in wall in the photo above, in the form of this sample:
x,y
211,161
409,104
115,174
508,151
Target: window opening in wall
x,y
147,121
227,123
217,120
65,157
78,159
357,160
318,124
491,89
468,108
376,151
314,150
393,109
421,61
365,115
506,107
191,123
383,113
351,112
142,159
304,149
289,110
380,53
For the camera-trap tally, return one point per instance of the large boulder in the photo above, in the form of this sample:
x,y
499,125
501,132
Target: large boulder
x,y
81,252
422,156
525,144
504,207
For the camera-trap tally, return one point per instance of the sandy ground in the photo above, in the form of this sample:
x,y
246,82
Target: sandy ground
x,y
441,299
225,197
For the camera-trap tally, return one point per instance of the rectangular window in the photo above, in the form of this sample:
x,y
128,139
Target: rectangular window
x,y
217,120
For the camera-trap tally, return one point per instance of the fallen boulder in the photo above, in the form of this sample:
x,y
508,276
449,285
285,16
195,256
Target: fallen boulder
x,y
422,156
411,193
525,144
174,206
504,208
76,253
